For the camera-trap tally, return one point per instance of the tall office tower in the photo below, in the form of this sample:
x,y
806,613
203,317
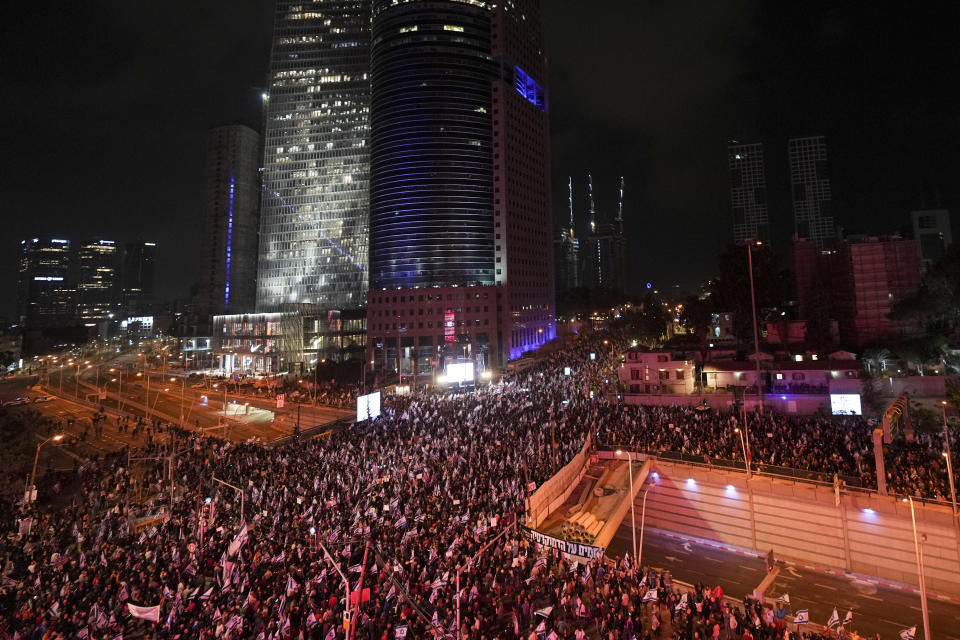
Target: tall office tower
x,y
139,261
931,228
810,180
566,248
314,213
232,203
98,281
47,291
604,260
461,257
748,191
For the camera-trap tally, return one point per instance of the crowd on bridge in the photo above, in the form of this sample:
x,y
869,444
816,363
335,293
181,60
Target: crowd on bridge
x,y
414,513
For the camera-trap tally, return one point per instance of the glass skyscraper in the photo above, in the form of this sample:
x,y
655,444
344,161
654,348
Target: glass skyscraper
x,y
314,219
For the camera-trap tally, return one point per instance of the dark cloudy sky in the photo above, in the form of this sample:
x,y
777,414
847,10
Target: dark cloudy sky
x,y
107,103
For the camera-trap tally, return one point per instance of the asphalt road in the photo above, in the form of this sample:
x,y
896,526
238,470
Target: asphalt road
x,y
876,609
204,408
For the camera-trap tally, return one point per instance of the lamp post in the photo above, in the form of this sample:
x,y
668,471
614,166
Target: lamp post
x,y
242,493
946,454
36,459
746,459
753,314
633,516
918,546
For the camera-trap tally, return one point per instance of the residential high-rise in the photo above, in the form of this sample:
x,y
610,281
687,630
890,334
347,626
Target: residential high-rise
x,y
604,254
810,181
47,295
98,281
461,256
139,261
748,191
870,275
232,204
931,228
566,248
314,220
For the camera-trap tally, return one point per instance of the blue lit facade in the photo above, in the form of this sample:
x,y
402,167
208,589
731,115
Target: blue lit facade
x,y
461,251
232,204
226,288
431,187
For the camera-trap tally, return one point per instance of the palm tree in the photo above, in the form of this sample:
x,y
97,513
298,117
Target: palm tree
x,y
874,360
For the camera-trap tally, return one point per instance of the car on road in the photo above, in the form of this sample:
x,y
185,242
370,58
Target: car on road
x,y
44,399
16,401
197,385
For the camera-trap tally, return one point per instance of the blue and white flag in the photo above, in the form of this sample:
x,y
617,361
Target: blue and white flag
x,y
650,595
682,604
206,594
357,568
847,619
908,634
166,592
802,617
83,633
435,621
332,634
401,631
582,611
402,522
291,585
311,620
834,620
541,562
545,612
785,599
238,541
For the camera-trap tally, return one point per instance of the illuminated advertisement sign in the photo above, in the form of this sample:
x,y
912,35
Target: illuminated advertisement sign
x,y
449,327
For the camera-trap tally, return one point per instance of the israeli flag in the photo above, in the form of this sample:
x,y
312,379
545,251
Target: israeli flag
x,y
834,620
802,617
847,619
545,612
908,634
650,596
401,631
785,599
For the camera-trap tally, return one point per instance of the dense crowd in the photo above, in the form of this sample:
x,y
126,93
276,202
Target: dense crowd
x,y
432,491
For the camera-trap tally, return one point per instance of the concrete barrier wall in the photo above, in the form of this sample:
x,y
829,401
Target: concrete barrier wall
x,y
555,491
866,533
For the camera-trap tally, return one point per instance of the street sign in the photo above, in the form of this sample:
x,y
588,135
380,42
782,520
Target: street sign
x,y
280,401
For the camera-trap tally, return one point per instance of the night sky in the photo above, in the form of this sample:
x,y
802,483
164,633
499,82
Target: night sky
x,y
107,105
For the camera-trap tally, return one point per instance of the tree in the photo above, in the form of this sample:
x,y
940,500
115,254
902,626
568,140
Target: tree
x,y
938,301
874,359
730,290
696,317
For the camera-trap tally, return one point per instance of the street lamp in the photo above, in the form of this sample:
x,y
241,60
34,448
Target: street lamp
x,y
753,314
946,454
746,459
36,459
917,543
633,515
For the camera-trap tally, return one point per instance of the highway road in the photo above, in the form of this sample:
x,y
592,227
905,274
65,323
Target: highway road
x,y
170,396
876,609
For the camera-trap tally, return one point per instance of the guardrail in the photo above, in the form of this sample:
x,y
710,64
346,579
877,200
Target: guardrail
x,y
738,465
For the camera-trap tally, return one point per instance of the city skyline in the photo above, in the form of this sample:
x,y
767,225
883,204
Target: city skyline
x,y
892,151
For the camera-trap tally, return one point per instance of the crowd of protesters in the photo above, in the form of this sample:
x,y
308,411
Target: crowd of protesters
x,y
412,509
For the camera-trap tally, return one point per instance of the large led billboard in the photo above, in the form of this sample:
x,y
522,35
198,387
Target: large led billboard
x,y
845,404
458,372
368,406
